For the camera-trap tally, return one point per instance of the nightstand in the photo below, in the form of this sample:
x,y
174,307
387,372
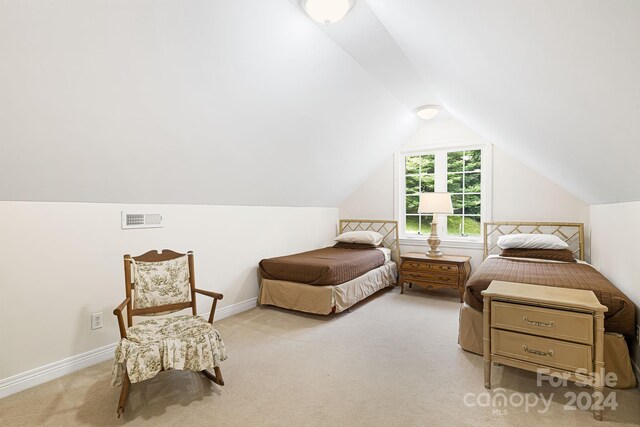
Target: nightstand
x,y
447,271
556,330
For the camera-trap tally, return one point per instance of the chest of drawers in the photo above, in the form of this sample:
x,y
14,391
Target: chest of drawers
x,y
447,271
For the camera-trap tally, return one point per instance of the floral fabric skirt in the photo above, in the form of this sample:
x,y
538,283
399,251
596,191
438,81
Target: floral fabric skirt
x,y
179,342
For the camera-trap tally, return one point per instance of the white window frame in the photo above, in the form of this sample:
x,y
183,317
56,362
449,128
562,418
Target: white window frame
x,y
469,242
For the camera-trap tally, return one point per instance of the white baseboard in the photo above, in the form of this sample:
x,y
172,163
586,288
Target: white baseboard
x,y
66,366
54,370
232,309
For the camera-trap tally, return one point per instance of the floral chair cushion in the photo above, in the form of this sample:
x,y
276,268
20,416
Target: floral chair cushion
x,y
178,342
161,283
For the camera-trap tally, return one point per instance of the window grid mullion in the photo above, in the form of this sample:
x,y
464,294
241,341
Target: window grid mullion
x,y
439,179
419,194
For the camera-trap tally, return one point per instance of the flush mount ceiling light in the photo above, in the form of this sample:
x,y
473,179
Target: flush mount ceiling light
x,y
326,11
428,112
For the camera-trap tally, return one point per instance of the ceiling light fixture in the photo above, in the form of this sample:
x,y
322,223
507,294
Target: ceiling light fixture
x,y
326,11
428,112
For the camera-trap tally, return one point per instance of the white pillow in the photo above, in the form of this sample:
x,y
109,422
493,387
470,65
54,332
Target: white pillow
x,y
531,241
366,237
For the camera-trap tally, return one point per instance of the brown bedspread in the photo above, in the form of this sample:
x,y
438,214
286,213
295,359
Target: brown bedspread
x,y
327,266
620,317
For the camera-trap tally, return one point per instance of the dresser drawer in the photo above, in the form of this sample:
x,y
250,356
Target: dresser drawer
x,y
543,351
443,268
427,276
547,322
434,268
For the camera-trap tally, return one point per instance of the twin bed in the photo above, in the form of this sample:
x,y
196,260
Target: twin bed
x,y
330,280
619,319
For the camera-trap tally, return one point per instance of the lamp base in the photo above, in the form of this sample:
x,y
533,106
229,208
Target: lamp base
x,y
434,242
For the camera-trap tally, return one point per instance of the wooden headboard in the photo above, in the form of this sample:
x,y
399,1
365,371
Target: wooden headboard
x,y
570,232
388,229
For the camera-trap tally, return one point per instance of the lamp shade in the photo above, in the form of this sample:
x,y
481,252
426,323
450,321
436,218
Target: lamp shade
x,y
435,203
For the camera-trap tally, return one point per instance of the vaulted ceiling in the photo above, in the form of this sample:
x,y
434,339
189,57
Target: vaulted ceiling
x,y
250,102
555,83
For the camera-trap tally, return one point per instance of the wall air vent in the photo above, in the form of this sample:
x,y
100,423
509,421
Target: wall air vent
x,y
141,220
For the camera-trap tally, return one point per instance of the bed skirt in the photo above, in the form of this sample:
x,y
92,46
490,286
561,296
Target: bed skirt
x,y
326,299
616,352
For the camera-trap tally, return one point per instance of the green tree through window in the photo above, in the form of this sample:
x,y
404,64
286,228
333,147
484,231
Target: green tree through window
x,y
463,182
419,178
459,173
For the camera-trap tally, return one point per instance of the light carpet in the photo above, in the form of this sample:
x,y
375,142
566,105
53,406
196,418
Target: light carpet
x,y
391,361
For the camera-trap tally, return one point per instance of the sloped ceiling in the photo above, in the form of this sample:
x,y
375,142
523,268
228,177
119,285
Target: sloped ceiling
x,y
202,102
250,102
554,83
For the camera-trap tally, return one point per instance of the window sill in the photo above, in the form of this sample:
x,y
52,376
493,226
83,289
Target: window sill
x,y
445,243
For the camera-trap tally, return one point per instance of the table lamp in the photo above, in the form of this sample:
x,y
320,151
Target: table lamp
x,y
435,203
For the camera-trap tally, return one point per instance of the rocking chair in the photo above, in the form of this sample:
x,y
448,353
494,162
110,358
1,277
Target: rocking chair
x,y
163,282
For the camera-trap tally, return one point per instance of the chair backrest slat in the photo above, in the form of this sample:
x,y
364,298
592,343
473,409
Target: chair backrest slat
x,y
161,308
159,256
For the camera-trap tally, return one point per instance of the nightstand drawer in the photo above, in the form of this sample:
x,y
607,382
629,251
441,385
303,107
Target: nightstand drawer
x,y
543,351
430,277
436,268
443,268
547,322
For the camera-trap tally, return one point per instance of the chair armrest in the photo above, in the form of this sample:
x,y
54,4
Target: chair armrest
x,y
216,296
118,312
209,294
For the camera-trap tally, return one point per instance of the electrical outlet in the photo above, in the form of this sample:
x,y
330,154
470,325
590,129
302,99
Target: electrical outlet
x,y
96,320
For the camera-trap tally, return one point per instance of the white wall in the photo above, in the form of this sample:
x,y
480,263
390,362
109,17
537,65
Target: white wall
x,y
374,198
60,262
519,193
614,250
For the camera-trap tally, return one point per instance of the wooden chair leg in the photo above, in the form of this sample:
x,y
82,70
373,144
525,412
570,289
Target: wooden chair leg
x,y
124,393
218,375
217,378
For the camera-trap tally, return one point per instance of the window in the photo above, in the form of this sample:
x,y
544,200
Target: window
x,y
419,178
464,177
460,172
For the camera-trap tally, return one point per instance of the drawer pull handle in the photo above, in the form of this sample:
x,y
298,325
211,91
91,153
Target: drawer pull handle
x,y
538,352
536,323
